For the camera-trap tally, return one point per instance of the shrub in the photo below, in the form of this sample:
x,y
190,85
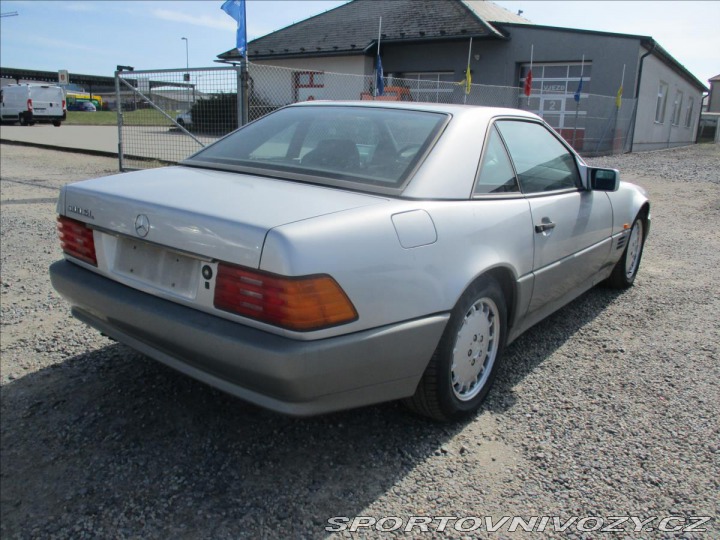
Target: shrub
x,y
216,114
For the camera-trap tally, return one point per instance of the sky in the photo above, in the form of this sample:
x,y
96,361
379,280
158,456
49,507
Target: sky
x,y
92,37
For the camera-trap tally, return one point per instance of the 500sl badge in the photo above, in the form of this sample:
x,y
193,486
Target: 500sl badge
x,y
85,212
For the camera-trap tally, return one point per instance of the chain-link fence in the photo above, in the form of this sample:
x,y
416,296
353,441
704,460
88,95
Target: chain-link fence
x,y
166,115
593,125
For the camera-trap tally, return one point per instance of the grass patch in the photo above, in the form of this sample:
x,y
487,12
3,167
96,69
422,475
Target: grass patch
x,y
143,117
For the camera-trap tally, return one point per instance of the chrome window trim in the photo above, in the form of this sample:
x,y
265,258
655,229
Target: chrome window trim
x,y
557,137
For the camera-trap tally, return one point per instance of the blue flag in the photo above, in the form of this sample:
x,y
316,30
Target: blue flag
x,y
236,9
578,91
379,82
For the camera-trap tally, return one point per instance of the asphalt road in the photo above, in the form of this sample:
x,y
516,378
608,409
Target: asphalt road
x,y
155,142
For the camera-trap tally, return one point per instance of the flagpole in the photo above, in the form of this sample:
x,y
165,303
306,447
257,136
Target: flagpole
x,y
577,102
467,72
375,93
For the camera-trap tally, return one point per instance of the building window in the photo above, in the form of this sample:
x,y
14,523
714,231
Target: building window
x,y
307,84
677,108
661,102
309,79
429,86
689,112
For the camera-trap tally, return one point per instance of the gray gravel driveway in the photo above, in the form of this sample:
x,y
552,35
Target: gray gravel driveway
x,y
608,408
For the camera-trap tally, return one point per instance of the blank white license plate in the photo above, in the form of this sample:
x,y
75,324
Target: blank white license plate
x,y
160,268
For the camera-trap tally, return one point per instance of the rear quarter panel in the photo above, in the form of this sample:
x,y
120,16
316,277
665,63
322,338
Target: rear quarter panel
x,y
388,283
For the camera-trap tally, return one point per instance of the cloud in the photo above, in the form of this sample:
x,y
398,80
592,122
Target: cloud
x,y
58,44
221,22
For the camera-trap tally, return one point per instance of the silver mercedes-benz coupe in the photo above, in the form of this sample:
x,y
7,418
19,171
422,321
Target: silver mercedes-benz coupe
x,y
337,254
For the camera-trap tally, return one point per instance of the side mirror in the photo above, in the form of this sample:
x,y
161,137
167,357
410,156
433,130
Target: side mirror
x,y
604,179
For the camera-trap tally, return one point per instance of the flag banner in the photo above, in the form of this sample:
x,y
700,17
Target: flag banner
x,y
618,97
528,83
579,90
236,9
468,81
379,82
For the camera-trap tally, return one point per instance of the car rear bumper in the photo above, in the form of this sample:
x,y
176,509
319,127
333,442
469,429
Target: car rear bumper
x,y
43,117
289,376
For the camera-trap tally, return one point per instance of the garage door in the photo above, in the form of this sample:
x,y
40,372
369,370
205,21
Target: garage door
x,y
553,89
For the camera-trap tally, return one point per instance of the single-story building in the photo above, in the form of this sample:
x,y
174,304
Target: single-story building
x,y
714,96
428,41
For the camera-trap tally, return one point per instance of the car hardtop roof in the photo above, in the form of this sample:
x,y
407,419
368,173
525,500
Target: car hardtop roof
x,y
476,110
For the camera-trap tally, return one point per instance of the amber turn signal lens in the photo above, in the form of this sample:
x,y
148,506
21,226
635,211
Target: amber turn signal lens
x,y
296,303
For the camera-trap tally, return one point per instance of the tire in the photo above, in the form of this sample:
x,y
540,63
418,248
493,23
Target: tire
x,y
56,123
626,269
463,367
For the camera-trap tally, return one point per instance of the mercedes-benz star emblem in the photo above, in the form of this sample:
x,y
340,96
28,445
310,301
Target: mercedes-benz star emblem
x,y
142,225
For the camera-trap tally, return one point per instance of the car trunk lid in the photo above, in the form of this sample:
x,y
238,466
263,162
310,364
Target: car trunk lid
x,y
210,214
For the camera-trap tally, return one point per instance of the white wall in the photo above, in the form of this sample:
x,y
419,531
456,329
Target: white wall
x,y
344,78
355,65
714,98
652,135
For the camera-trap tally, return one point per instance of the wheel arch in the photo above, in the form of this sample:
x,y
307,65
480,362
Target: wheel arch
x,y
644,214
508,284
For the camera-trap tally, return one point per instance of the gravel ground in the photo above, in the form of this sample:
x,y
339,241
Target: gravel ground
x,y
608,408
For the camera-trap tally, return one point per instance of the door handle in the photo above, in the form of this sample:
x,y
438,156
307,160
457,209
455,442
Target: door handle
x,y
546,225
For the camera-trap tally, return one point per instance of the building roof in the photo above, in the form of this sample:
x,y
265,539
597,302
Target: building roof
x,y
716,78
353,27
491,12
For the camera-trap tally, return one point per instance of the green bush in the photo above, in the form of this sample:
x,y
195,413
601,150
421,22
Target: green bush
x,y
218,114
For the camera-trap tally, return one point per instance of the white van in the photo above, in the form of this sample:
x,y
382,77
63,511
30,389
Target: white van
x,y
31,103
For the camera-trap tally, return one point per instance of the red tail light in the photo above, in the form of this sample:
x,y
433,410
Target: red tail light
x,y
76,239
63,104
29,105
299,303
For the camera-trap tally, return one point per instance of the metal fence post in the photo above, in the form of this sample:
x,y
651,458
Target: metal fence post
x,y
243,98
118,104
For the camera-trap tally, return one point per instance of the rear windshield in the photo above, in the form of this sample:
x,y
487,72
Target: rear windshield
x,y
372,148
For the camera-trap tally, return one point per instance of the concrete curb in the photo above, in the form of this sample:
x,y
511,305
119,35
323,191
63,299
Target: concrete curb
x,y
63,148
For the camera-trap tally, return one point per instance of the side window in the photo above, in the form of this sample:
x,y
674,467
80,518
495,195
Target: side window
x,y
496,172
276,147
661,102
541,161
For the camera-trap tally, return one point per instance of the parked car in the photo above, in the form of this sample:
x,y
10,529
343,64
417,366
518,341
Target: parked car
x,y
85,106
334,255
184,119
32,103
